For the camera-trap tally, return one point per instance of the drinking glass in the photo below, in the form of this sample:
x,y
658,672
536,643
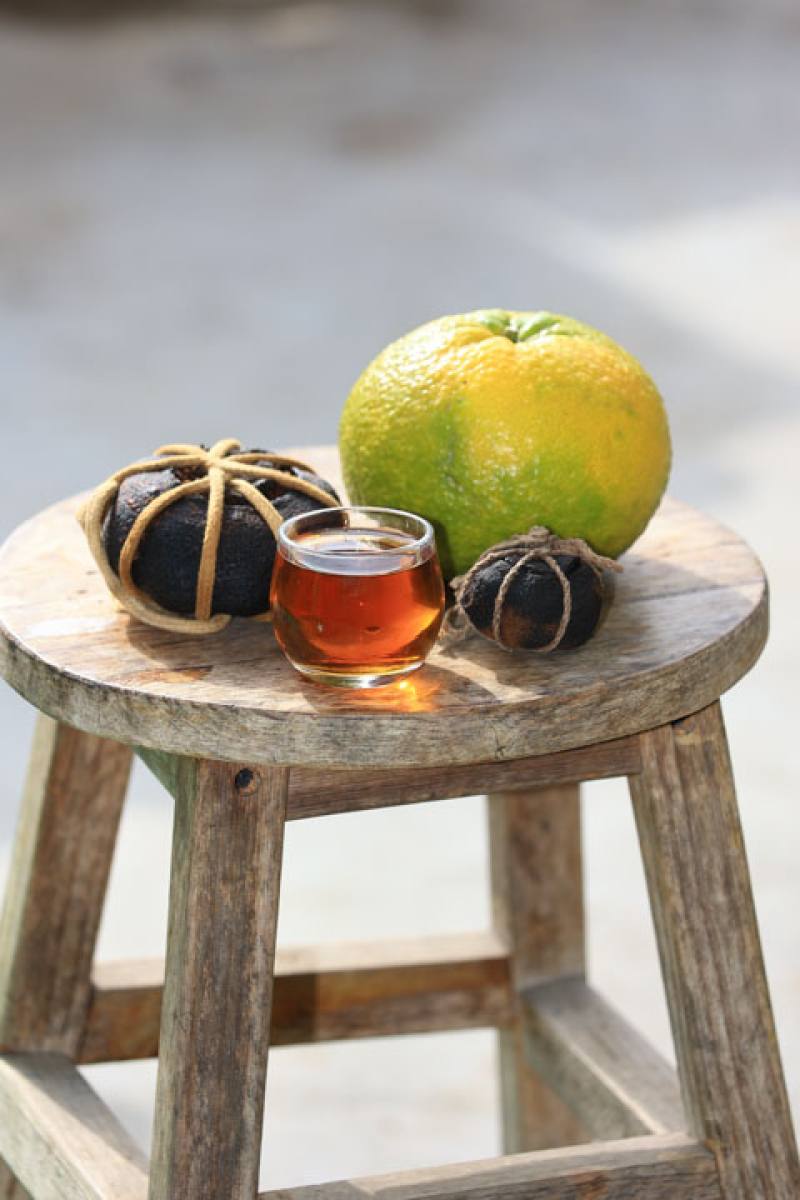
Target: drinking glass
x,y
357,595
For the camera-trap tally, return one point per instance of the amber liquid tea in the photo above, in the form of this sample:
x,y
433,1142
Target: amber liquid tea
x,y
357,605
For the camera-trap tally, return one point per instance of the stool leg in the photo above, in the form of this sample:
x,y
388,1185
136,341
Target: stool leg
x,y
56,887
537,894
697,874
54,900
223,910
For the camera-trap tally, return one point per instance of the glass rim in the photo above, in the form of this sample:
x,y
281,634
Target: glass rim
x,y
427,537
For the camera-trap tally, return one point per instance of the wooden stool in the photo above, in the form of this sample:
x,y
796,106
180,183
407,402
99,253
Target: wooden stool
x,y
243,744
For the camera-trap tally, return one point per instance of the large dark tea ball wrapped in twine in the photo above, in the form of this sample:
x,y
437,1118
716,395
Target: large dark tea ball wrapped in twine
x,y
535,591
186,538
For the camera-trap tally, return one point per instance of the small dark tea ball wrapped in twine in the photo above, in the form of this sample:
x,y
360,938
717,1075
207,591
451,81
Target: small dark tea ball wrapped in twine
x,y
525,612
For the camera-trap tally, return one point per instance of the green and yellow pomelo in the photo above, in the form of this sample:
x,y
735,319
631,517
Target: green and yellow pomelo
x,y
491,422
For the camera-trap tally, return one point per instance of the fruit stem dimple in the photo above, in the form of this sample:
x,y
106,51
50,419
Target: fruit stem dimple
x,y
538,323
518,328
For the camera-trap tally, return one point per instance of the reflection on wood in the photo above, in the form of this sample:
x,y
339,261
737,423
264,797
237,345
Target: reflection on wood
x,y
688,620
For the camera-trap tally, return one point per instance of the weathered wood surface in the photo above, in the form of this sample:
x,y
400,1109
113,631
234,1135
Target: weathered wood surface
x,y
689,619
62,855
537,904
322,993
317,791
717,992
617,1085
314,792
124,1020
223,911
58,1136
672,1167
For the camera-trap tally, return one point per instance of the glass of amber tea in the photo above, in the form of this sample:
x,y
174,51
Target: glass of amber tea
x,y
357,594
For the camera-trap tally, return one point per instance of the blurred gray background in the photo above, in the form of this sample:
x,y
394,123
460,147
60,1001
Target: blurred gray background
x,y
211,220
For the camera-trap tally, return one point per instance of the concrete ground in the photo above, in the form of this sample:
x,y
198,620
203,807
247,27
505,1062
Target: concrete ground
x,y
208,226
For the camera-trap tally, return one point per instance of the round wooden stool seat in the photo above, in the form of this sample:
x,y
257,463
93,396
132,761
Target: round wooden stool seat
x,y
244,745
689,618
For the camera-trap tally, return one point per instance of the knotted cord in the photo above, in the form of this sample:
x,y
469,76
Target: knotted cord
x,y
537,543
224,465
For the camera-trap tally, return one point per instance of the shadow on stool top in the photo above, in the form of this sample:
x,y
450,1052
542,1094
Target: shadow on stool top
x,y
689,618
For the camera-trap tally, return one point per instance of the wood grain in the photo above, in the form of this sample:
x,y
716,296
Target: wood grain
x,y
615,1083
323,993
689,618
59,1137
317,792
672,1167
719,1004
314,792
537,903
62,855
223,909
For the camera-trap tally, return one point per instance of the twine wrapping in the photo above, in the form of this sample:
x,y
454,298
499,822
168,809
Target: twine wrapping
x,y
224,465
540,543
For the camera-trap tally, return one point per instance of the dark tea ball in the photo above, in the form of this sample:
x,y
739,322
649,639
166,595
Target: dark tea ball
x,y
168,558
534,603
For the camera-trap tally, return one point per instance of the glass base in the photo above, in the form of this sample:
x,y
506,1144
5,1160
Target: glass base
x,y
346,679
